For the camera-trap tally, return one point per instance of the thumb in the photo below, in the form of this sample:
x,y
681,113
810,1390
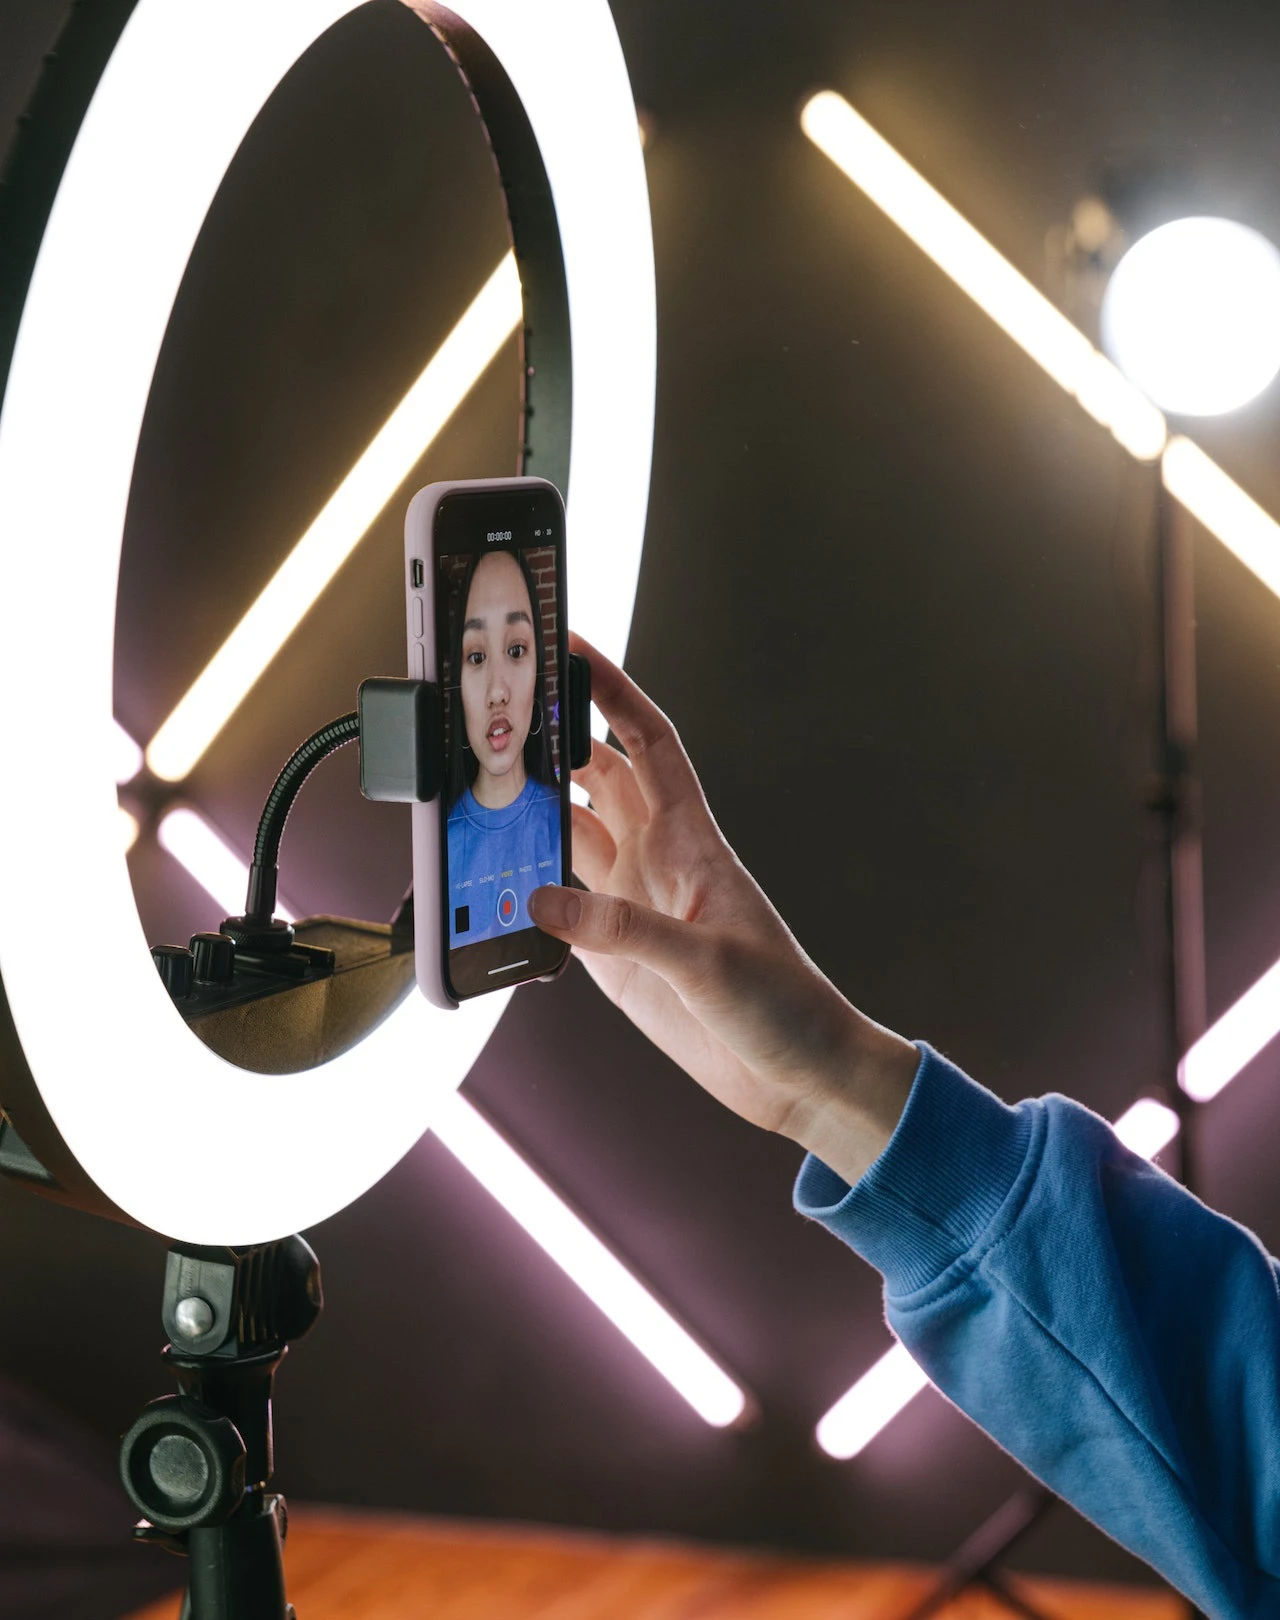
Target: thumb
x,y
613,927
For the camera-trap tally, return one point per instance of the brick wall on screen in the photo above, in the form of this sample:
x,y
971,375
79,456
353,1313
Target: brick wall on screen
x,y
542,565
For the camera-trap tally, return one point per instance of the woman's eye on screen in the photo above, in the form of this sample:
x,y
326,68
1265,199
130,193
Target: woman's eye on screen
x,y
517,649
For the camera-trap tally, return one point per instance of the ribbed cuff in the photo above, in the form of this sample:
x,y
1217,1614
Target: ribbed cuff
x,y
934,1191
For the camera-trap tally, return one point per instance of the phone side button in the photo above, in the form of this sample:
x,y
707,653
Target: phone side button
x,y
418,662
417,616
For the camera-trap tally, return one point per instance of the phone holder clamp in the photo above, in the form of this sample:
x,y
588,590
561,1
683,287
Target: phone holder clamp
x,y
401,730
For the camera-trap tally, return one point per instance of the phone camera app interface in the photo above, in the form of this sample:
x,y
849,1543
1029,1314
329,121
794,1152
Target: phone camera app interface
x,y
502,736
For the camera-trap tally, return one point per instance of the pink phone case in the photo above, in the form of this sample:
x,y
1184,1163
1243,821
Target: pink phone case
x,y
424,665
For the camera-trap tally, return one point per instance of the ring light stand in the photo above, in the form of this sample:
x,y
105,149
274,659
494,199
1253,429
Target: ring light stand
x,y
198,1464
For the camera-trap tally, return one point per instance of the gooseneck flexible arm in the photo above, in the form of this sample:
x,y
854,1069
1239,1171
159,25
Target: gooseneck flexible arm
x,y
260,904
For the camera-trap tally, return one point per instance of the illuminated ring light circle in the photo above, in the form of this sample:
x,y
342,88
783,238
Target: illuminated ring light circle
x,y
148,1117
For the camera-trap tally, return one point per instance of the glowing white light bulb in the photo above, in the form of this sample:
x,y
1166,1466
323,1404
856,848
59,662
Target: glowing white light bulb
x,y
1192,315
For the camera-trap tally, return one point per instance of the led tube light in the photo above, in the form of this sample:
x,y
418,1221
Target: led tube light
x,y
210,860
143,171
341,524
977,268
1147,1127
1218,503
583,1257
891,1384
1235,1040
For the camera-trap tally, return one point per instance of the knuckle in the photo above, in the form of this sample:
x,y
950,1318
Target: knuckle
x,y
643,736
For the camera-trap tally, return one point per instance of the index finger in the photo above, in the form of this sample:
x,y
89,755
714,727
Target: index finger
x,y
662,768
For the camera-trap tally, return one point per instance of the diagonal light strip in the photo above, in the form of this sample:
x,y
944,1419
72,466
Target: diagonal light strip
x,y
391,455
1147,1127
884,1390
583,1257
1235,1040
215,865
893,1382
1005,294
507,1178
1219,504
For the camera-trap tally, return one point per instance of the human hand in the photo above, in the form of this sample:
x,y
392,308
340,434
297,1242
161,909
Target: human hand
x,y
679,935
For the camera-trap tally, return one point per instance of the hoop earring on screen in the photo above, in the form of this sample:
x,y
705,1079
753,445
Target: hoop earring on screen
x,y
536,731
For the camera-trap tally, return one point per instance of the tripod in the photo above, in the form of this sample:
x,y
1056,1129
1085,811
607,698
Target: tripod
x,y
197,1464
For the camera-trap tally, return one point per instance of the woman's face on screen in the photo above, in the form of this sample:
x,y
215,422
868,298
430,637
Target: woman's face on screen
x,y
498,676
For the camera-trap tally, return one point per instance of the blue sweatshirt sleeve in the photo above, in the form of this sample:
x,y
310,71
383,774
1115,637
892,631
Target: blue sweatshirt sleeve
x,y
1115,1335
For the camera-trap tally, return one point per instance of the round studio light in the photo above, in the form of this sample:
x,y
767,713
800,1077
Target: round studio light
x,y
178,1139
1192,315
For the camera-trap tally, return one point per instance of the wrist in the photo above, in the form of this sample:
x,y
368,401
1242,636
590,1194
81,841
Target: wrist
x,y
853,1111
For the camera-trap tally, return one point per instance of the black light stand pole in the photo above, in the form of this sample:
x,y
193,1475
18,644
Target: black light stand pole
x,y
1177,805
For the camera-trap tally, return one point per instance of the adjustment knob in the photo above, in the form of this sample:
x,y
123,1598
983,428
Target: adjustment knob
x,y
176,967
182,1464
214,958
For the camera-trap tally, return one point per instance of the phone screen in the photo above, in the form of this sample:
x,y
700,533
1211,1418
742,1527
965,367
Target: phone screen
x,y
500,612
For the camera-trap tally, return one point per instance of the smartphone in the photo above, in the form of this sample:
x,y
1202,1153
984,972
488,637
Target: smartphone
x,y
484,564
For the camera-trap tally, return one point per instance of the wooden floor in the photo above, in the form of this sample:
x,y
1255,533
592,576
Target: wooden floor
x,y
348,1566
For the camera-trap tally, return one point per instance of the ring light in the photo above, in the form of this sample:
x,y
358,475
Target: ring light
x,y
101,1075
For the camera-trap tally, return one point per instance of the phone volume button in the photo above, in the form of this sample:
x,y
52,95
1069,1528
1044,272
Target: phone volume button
x,y
417,616
419,662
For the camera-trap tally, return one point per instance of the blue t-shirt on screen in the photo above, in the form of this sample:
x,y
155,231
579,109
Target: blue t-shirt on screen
x,y
497,858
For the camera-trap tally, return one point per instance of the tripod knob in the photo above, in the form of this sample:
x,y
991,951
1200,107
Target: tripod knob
x,y
182,1464
174,963
214,958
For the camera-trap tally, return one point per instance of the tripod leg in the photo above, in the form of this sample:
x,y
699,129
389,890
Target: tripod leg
x,y
989,1542
998,1585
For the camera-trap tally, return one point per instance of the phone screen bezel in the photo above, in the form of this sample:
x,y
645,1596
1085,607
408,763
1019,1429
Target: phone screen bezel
x,y
461,523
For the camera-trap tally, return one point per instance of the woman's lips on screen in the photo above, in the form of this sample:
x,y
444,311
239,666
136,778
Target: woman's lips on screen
x,y
499,733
